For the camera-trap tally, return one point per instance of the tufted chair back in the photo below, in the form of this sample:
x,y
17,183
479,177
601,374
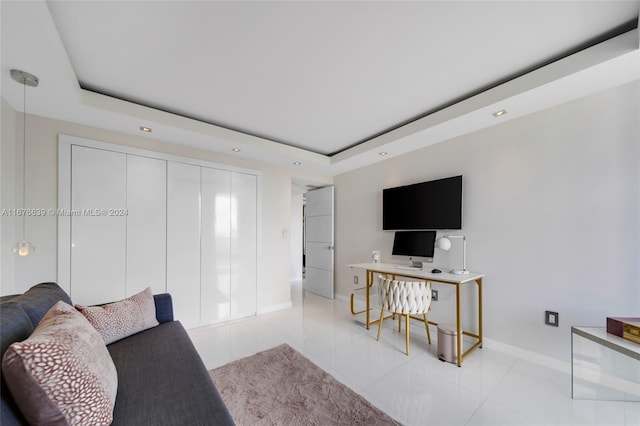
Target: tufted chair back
x,y
404,298
408,297
383,291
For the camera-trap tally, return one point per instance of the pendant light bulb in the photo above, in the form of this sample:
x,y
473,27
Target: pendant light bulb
x,y
24,248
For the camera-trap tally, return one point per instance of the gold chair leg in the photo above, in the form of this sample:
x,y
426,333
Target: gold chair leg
x,y
407,332
380,323
426,325
399,322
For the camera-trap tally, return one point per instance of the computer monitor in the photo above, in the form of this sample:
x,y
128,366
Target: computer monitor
x,y
419,246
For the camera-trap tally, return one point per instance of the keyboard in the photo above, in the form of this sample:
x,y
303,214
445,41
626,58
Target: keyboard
x,y
409,268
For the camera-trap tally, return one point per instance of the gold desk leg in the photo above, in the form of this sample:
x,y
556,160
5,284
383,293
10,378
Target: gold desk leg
x,y
368,292
353,311
458,326
479,282
352,305
479,336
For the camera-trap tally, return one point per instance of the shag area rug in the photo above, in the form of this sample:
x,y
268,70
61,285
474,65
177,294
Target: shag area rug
x,y
280,386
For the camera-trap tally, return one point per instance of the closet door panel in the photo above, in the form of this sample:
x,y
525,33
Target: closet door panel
x,y
216,245
183,241
98,232
243,244
146,224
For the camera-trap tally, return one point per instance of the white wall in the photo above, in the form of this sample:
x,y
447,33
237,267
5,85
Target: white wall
x,y
295,235
551,214
42,174
8,224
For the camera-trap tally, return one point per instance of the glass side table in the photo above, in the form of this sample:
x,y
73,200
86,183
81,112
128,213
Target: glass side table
x,y
604,366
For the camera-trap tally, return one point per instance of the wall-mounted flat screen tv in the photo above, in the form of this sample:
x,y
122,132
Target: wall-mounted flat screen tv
x,y
436,204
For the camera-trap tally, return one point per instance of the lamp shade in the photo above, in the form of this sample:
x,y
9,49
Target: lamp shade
x,y
443,243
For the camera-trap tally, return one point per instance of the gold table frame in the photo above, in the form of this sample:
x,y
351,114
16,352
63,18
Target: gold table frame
x,y
442,278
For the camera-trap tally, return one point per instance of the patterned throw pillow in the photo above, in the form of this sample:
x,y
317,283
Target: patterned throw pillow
x,y
118,320
62,374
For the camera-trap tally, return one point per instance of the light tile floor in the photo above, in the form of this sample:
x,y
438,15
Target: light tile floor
x,y
491,388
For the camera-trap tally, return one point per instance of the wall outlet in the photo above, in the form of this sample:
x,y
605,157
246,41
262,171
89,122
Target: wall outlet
x,y
551,318
355,279
434,295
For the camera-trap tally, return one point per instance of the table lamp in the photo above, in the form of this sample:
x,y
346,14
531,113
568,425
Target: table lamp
x,y
444,243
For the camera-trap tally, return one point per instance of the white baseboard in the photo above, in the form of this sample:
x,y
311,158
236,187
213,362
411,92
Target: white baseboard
x,y
273,308
343,298
358,300
527,355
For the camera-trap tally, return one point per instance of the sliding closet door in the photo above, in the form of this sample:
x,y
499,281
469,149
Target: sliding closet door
x,y
216,245
146,224
243,244
98,229
183,241
143,219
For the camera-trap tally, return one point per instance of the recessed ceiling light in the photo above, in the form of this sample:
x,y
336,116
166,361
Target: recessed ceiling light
x,y
145,129
297,163
383,153
235,149
500,113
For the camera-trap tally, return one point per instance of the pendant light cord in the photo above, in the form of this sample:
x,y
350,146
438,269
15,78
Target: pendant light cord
x,y
24,155
24,247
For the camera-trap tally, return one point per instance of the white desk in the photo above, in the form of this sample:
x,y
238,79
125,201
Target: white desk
x,y
444,278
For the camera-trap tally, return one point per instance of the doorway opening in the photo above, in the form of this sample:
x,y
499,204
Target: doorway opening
x,y
303,249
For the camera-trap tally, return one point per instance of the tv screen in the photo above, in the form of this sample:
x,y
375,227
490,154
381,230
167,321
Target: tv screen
x,y
436,204
414,243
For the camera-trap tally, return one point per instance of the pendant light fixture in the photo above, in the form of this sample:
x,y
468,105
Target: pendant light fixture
x,y
24,247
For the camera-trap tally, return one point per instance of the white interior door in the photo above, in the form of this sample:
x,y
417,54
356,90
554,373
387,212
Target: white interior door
x,y
146,224
215,245
183,241
319,241
244,247
98,231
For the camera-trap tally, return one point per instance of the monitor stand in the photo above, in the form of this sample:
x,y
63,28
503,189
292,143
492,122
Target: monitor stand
x,y
420,264
416,264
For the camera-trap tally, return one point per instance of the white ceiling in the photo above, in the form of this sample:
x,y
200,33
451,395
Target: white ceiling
x,y
328,84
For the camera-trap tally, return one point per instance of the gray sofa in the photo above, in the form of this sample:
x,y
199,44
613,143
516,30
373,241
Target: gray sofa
x,y
161,378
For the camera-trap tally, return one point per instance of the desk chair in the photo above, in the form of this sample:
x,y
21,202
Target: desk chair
x,y
404,298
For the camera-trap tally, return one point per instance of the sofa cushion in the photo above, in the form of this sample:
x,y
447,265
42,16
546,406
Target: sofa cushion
x,y
115,321
62,374
39,299
164,307
162,381
15,326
